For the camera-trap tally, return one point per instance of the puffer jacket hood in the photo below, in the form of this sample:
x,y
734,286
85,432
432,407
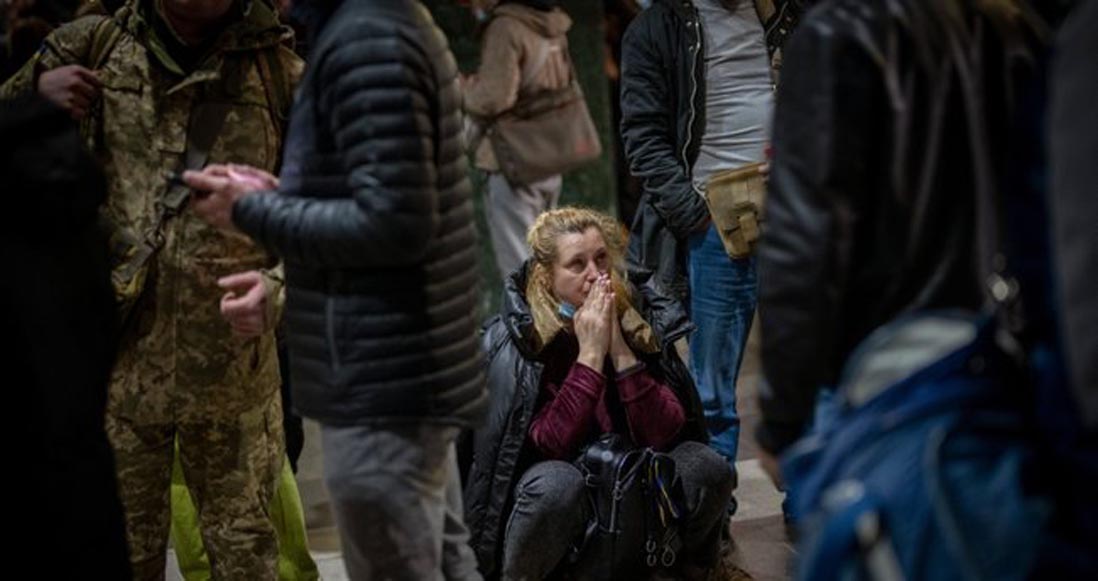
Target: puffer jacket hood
x,y
514,311
548,23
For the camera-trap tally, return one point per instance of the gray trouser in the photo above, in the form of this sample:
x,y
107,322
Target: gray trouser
x,y
396,495
511,210
551,512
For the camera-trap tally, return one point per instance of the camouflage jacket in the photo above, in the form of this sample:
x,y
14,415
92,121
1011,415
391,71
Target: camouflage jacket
x,y
178,360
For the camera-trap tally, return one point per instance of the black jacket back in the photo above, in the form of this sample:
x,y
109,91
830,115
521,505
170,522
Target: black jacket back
x,y
374,221
871,209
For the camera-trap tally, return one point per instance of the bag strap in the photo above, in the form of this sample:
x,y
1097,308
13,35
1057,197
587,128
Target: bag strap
x,y
664,512
206,123
105,36
855,529
276,86
546,101
547,47
552,98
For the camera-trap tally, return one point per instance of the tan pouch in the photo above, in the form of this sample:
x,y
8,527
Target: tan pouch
x,y
735,199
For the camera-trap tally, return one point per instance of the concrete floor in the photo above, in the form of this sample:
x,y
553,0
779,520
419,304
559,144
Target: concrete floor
x,y
762,546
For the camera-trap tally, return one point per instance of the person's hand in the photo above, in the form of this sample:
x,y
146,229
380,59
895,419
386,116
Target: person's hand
x,y
262,180
71,87
592,323
244,306
621,354
218,187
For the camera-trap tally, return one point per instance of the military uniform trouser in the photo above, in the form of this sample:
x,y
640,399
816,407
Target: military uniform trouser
x,y
232,469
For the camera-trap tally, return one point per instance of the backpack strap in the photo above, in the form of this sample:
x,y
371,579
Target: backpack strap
x,y
206,123
276,85
105,36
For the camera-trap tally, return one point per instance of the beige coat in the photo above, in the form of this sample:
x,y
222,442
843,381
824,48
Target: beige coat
x,y
524,52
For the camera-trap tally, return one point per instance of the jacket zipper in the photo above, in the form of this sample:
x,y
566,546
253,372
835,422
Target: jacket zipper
x,y
329,331
695,48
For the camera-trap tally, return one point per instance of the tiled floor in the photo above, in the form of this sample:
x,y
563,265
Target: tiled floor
x,y
762,545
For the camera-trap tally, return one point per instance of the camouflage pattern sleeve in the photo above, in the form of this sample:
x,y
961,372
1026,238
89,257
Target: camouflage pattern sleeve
x,y
275,280
22,82
67,45
295,67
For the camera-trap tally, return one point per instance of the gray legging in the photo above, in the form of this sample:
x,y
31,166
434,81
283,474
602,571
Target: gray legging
x,y
551,512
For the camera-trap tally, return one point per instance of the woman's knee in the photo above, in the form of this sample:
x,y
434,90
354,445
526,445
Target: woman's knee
x,y
701,467
552,484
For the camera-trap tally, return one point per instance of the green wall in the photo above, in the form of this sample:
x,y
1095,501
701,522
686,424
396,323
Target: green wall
x,y
592,185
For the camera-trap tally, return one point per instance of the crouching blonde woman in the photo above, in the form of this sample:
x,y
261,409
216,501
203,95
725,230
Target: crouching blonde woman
x,y
577,352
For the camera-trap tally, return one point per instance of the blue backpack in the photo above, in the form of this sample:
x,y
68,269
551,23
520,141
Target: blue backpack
x,y
920,473
956,451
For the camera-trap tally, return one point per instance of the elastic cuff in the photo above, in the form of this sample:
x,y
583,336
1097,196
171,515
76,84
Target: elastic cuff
x,y
587,379
639,366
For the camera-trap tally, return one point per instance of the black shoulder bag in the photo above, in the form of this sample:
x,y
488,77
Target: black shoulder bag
x,y
636,502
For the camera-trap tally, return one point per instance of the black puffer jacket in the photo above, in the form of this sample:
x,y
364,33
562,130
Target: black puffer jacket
x,y
374,220
871,209
514,379
663,118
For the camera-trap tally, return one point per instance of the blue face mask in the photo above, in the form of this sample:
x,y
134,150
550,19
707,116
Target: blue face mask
x,y
566,310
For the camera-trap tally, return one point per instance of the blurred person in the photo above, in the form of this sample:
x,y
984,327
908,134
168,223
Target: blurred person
x,y
885,228
1073,138
907,203
163,86
287,513
24,23
373,218
696,102
577,352
58,314
524,56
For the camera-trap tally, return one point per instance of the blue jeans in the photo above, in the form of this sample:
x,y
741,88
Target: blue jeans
x,y
723,294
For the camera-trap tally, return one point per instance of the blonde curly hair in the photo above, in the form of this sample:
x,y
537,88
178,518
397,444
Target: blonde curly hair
x,y
543,240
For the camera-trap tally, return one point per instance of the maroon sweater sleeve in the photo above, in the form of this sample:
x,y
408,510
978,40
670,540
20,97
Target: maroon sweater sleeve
x,y
565,420
654,413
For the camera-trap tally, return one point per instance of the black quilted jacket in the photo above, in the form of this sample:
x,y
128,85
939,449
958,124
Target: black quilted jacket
x,y
374,222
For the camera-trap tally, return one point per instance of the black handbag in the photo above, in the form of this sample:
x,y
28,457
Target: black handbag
x,y
636,502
